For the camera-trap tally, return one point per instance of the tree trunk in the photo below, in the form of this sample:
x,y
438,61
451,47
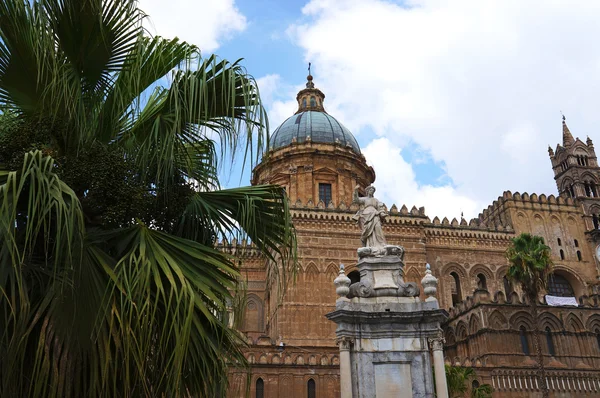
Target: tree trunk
x,y
538,349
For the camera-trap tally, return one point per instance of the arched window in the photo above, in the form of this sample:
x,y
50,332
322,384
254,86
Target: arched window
x,y
313,102
559,286
455,288
524,343
578,255
576,243
549,342
595,221
559,242
312,388
481,282
572,189
507,286
304,103
260,388
598,337
562,254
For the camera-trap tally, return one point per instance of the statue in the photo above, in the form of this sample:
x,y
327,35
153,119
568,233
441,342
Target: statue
x,y
369,219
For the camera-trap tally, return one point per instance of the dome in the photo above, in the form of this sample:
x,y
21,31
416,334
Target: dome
x,y
319,126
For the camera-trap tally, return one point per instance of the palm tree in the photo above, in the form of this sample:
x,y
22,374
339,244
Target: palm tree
x,y
482,391
457,378
530,266
110,205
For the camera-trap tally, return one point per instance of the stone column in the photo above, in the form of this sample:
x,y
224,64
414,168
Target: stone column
x,y
437,346
345,344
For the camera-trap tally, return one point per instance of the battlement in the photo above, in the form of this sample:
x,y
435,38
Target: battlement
x,y
524,200
241,248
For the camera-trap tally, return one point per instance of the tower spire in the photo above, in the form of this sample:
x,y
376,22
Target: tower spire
x,y
567,136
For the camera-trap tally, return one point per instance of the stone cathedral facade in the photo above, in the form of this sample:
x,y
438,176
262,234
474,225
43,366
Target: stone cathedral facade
x,y
292,346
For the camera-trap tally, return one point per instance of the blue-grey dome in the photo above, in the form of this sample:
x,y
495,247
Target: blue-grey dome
x,y
319,126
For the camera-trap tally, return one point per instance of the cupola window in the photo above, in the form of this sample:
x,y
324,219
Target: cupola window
x,y
304,103
313,102
325,193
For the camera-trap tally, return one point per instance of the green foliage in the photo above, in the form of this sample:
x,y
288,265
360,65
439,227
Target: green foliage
x,y
530,263
482,391
110,205
459,380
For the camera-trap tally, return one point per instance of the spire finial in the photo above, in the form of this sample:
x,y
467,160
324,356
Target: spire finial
x,y
567,136
309,78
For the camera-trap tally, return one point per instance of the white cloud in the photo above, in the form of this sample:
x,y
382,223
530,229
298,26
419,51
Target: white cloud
x,y
477,83
205,23
396,184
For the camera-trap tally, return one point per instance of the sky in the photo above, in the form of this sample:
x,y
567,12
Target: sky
x,y
452,102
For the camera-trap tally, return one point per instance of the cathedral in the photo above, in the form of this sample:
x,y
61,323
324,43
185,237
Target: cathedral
x,y
292,346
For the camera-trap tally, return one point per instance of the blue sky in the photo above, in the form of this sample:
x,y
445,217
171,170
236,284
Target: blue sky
x,y
451,102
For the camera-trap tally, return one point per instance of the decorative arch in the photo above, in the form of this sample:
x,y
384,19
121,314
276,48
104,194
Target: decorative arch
x,y
413,275
497,321
474,324
461,331
454,267
548,320
254,314
573,323
480,269
521,318
332,269
450,336
593,323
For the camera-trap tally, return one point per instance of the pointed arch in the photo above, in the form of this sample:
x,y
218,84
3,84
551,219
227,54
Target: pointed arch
x,y
593,323
474,324
573,323
461,331
548,320
497,320
521,318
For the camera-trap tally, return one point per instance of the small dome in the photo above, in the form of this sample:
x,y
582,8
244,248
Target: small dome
x,y
319,126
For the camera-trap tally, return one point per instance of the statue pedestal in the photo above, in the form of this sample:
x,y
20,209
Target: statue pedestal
x,y
385,334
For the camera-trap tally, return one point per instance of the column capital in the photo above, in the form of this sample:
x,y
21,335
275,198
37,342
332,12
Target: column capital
x,y
345,343
437,343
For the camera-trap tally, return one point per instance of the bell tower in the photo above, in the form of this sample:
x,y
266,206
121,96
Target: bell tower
x,y
577,174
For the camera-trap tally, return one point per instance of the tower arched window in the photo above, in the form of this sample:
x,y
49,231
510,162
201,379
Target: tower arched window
x,y
598,337
481,282
559,242
260,388
524,342
455,288
572,189
578,255
559,286
507,286
549,342
576,242
595,221
562,254
312,388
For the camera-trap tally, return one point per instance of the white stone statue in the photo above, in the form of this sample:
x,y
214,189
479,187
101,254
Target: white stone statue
x,y
369,218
